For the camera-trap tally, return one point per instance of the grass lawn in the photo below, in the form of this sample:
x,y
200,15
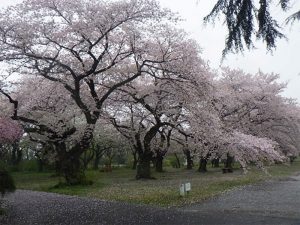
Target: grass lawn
x,y
120,184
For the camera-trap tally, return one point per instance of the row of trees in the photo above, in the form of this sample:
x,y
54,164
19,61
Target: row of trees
x,y
123,68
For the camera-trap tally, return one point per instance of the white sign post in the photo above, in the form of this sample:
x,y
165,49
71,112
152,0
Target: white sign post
x,y
185,188
188,187
182,190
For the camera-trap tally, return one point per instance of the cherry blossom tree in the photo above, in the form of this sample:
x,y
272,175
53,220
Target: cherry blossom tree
x,y
232,117
87,48
78,61
10,131
250,106
144,122
155,103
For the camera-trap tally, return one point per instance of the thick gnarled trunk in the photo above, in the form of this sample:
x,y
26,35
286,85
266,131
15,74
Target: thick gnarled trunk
x,y
159,158
73,171
145,153
69,162
143,167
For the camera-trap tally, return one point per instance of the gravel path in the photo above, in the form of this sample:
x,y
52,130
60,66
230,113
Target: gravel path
x,y
267,203
280,198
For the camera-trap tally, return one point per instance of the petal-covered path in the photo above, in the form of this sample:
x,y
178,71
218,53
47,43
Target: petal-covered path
x,y
273,202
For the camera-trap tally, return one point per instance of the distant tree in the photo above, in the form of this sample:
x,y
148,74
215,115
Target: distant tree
x,y
247,19
107,145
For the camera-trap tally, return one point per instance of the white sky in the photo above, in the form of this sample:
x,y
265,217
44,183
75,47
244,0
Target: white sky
x,y
285,60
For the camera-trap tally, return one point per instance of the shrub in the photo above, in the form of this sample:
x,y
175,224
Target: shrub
x,y
7,183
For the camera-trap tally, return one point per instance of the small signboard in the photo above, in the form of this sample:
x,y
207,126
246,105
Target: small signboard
x,y
184,189
188,187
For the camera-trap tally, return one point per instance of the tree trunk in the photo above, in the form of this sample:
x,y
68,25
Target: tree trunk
x,y
134,152
228,164
108,167
215,163
13,155
202,165
145,154
27,154
135,162
40,165
143,167
189,160
16,154
19,155
96,162
159,164
72,171
69,160
68,164
86,158
177,160
292,159
143,170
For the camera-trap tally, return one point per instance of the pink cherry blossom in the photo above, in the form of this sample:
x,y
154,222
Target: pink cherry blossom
x,y
10,131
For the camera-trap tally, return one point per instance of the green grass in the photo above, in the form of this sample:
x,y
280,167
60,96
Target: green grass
x,y
120,184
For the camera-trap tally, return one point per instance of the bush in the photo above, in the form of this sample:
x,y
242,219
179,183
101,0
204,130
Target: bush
x,y
7,183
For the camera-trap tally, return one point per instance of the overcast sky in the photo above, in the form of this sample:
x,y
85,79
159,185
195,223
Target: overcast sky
x,y
285,60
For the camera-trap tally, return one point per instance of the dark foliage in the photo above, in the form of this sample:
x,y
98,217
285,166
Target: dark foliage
x,y
243,16
292,18
6,182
